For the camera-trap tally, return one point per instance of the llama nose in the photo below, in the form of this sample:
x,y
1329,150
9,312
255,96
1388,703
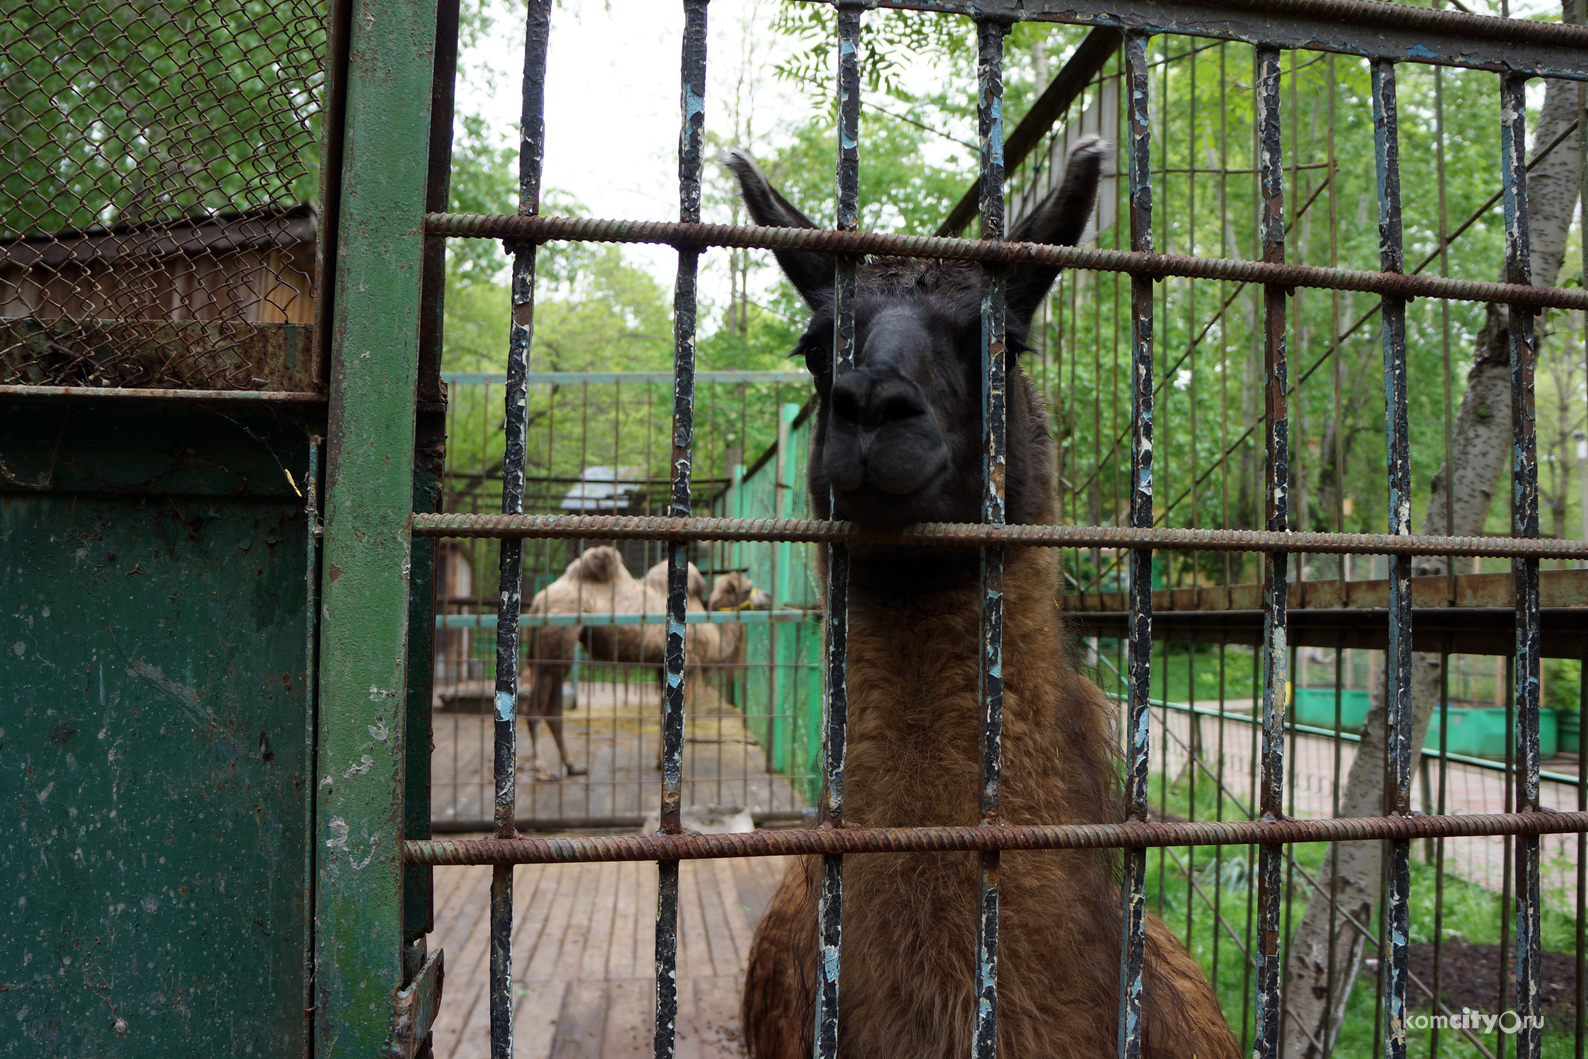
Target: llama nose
x,y
871,403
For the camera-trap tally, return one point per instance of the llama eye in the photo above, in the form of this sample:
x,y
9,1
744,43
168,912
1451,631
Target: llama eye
x,y
817,360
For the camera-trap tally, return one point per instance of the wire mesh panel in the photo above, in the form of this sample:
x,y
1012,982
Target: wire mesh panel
x,y
594,620
1230,576
158,208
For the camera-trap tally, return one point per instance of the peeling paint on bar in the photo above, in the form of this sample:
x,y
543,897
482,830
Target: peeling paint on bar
x,y
1524,523
1398,660
1138,751
989,115
1270,895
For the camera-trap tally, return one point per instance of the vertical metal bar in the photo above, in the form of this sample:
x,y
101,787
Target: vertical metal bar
x,y
1270,166
1398,756
363,611
691,142
1133,925
1524,521
990,127
510,600
836,707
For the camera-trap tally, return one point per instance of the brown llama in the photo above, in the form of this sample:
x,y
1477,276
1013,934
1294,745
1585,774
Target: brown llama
x,y
897,440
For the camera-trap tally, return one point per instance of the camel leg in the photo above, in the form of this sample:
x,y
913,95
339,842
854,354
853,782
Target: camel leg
x,y
553,718
546,676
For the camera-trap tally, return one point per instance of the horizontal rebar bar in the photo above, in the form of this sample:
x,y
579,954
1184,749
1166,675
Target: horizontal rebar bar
x,y
163,394
515,229
655,527
825,840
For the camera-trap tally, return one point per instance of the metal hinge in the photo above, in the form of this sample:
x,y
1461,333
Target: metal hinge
x,y
415,1009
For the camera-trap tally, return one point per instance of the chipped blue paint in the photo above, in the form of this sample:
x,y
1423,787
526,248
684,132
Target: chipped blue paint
x,y
504,706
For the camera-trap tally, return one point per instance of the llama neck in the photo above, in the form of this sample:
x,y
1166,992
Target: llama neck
x,y
914,705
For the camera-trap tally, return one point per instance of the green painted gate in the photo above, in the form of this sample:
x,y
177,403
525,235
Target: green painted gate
x,y
210,260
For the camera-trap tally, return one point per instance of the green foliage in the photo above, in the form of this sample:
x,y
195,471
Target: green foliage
x,y
151,109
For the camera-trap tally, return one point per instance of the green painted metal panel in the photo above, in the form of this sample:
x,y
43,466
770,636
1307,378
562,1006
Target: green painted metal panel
x,y
784,710
369,495
154,766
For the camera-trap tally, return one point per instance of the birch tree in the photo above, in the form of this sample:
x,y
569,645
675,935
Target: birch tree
x,y
1462,494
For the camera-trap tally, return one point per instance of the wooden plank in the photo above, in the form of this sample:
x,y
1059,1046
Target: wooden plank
x,y
625,907
599,943
466,942
694,953
714,922
582,1021
543,958
645,922
535,1014
576,928
631,1016
728,874
716,1026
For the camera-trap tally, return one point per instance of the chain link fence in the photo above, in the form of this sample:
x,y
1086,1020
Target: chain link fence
x,y
159,167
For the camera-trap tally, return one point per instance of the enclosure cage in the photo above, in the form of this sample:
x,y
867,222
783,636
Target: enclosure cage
x,y
1255,565
237,716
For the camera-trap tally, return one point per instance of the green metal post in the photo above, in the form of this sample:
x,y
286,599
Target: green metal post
x,y
369,495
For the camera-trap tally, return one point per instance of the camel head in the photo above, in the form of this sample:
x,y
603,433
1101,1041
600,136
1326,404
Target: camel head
x,y
898,439
734,591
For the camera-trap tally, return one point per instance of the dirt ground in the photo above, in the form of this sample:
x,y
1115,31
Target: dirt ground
x,y
1470,977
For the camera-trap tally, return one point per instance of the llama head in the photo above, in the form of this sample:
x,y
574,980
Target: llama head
x,y
899,438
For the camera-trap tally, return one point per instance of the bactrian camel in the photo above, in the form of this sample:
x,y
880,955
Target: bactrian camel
x,y
898,440
597,582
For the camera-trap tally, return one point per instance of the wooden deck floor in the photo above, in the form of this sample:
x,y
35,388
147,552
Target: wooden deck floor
x,y
583,951
615,733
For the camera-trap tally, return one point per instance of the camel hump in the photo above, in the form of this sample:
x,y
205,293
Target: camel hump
x,y
597,565
656,581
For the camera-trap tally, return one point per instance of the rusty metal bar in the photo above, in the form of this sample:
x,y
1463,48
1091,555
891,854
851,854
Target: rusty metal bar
x,y
1524,523
274,396
1131,835
1398,756
926,534
1156,266
1138,750
532,132
1270,897
990,690
691,144
1356,27
830,900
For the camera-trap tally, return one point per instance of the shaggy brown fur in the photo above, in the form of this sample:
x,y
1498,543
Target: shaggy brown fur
x,y
908,963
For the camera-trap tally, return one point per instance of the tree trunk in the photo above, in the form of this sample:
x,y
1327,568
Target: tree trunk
x,y
1315,1004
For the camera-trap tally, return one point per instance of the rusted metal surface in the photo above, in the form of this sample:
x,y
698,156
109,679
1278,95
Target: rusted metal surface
x,y
1355,27
994,416
194,355
655,527
1524,523
1133,835
1398,657
1557,588
1471,630
1155,266
145,393
414,1009
1138,748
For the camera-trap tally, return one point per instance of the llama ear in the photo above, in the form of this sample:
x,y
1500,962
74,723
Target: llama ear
x,y
811,273
1060,219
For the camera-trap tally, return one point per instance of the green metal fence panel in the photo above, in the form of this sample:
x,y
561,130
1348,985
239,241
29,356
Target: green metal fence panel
x,y
370,483
154,757
784,710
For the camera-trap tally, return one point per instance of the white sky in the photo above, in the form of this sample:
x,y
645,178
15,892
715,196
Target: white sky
x,y
612,102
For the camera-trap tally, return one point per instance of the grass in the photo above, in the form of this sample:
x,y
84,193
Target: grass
x,y
1226,875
